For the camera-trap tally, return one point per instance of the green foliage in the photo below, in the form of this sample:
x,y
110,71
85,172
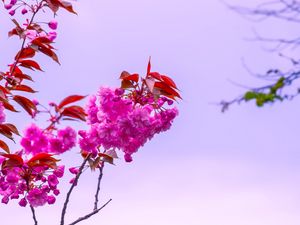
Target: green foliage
x,y
266,95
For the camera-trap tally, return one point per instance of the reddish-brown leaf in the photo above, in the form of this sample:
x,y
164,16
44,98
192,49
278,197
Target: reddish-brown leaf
x,y
169,81
47,51
68,6
42,159
106,158
4,146
23,76
41,41
155,75
149,66
70,99
166,90
27,104
31,64
76,112
4,130
131,77
53,5
126,84
14,160
12,128
8,106
25,53
25,88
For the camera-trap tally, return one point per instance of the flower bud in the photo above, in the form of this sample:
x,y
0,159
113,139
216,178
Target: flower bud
x,y
53,24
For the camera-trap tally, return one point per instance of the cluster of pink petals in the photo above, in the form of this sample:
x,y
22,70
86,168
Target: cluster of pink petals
x,y
33,34
36,140
13,5
2,114
36,187
117,122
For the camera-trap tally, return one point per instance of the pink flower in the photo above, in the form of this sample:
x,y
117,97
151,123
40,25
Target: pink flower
x,y
68,138
2,115
37,197
53,24
59,171
52,181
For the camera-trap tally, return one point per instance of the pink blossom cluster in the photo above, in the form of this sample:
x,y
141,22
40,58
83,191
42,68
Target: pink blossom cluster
x,y
14,5
2,114
119,122
34,185
36,140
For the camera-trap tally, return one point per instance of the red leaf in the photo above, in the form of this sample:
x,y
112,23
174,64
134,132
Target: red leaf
x,y
76,112
23,76
12,128
41,41
42,159
166,90
155,75
25,53
27,104
4,146
70,99
8,106
168,81
68,6
149,66
23,88
30,64
14,160
53,5
5,131
46,49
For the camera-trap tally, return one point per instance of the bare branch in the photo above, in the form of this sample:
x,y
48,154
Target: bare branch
x,y
90,214
98,187
33,215
64,210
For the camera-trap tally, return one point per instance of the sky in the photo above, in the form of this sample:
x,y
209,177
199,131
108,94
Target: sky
x,y
211,168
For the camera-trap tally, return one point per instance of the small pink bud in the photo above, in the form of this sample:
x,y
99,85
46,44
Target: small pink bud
x,y
23,202
53,24
52,35
13,2
34,101
12,12
8,6
51,199
128,158
74,170
24,11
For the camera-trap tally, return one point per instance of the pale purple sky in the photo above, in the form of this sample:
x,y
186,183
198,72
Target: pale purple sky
x,y
238,168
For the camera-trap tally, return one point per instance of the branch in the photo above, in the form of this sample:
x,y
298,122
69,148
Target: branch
x,y
90,214
64,210
279,9
269,93
98,187
33,215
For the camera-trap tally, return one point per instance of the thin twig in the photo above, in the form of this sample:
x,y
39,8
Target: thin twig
x,y
98,187
33,215
90,214
64,210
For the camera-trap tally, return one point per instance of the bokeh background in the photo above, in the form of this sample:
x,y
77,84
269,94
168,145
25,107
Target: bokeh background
x,y
237,168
